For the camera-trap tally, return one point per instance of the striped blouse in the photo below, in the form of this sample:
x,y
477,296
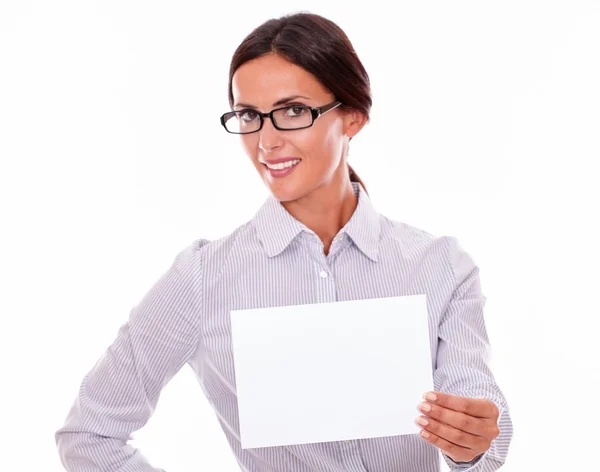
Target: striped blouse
x,y
274,260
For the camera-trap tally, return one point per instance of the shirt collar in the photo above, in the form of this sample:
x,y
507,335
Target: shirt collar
x,y
276,228
364,226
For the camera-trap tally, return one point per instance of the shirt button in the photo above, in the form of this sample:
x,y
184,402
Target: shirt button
x,y
324,274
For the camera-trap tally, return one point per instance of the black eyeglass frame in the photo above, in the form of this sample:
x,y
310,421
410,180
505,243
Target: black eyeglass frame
x,y
315,112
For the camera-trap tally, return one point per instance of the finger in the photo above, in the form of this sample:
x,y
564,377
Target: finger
x,y
453,435
461,421
477,407
456,452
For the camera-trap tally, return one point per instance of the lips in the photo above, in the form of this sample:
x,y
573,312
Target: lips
x,y
281,167
279,160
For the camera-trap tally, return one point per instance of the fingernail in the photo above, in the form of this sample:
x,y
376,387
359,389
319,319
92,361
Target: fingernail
x,y
425,406
431,396
422,421
425,434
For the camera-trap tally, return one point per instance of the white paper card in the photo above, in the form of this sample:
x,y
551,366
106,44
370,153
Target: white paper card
x,y
331,371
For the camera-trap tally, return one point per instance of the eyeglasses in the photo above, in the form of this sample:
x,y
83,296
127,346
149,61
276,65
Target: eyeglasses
x,y
286,118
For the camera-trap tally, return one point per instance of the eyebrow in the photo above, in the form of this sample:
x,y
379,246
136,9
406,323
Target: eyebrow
x,y
283,101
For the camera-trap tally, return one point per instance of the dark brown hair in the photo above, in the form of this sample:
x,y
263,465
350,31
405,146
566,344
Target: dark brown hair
x,y
320,47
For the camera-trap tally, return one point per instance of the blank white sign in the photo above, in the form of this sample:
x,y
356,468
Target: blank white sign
x,y
331,371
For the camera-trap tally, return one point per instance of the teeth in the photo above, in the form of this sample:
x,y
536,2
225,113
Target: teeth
x,y
283,165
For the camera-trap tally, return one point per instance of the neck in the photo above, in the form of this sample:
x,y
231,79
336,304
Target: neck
x,y
325,210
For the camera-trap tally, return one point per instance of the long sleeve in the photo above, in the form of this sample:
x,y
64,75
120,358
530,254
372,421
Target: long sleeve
x,y
462,356
120,393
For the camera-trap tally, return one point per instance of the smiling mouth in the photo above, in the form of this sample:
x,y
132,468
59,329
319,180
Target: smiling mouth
x,y
281,169
282,165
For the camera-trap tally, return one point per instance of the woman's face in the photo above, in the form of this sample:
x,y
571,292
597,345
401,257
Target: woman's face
x,y
317,153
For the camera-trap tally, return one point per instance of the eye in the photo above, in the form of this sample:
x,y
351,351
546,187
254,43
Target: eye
x,y
295,111
248,115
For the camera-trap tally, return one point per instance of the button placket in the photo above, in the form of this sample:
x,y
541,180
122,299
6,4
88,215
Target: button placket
x,y
325,282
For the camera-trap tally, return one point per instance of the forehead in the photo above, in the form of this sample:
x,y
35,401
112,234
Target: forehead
x,y
267,79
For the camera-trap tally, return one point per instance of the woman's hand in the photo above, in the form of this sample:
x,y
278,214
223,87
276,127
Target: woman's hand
x,y
463,428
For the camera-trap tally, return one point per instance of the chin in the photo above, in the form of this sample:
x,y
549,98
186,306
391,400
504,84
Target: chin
x,y
286,193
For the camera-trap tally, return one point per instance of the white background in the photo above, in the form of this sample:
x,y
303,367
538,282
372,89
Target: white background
x,y
485,126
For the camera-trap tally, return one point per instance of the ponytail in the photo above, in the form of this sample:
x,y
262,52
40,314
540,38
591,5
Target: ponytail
x,y
355,178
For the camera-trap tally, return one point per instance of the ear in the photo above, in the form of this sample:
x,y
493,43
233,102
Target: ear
x,y
354,121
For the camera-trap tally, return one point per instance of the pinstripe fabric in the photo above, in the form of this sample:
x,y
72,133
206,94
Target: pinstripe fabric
x,y
273,260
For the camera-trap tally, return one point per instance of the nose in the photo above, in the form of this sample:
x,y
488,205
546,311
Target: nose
x,y
270,138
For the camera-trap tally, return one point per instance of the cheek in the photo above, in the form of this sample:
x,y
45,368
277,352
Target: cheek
x,y
326,145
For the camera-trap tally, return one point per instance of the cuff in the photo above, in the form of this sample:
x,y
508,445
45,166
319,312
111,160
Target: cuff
x,y
463,466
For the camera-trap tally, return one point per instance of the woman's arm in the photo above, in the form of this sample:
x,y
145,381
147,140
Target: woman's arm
x,y
462,357
120,393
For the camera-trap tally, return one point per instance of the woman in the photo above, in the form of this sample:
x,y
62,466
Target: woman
x,y
298,95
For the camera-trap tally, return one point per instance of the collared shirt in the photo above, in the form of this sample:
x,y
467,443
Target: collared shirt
x,y
274,260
